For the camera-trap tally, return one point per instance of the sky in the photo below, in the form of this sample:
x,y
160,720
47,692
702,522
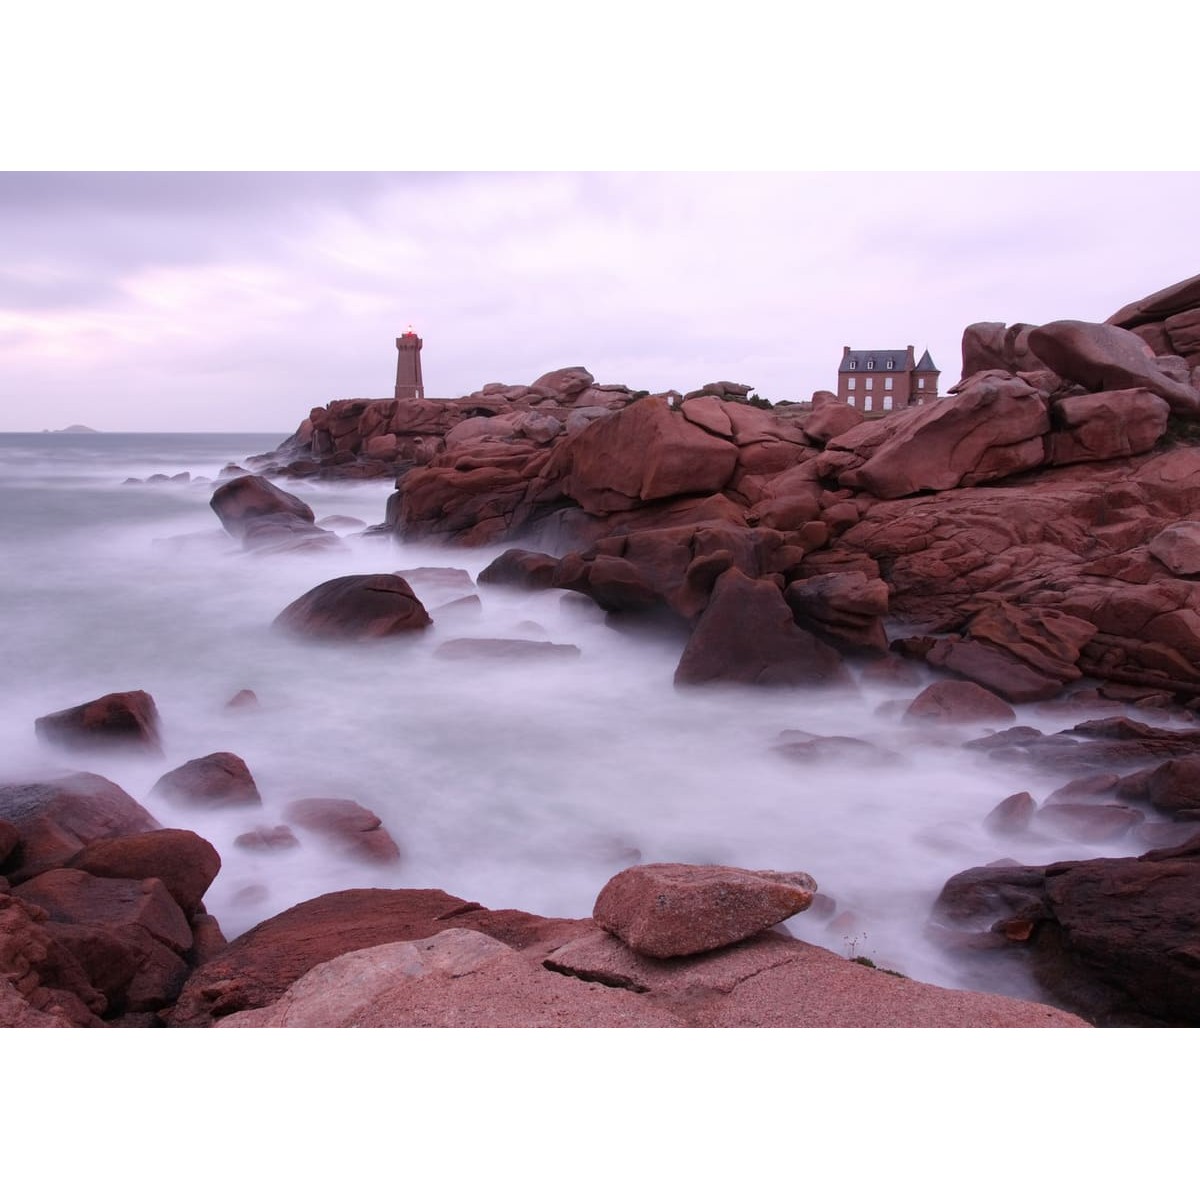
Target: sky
x,y
183,301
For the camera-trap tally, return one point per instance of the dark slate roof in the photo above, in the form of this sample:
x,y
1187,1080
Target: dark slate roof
x,y
926,363
880,357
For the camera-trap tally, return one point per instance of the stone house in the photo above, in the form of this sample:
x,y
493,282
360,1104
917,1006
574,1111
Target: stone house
x,y
883,380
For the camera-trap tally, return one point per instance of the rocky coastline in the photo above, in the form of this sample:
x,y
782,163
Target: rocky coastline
x,y
1033,537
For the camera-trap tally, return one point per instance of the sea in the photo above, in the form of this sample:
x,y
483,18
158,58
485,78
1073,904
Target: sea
x,y
520,785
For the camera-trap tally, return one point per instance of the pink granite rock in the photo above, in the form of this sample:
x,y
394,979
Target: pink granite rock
x,y
665,910
1178,548
956,700
353,829
118,721
355,608
220,780
1106,358
747,635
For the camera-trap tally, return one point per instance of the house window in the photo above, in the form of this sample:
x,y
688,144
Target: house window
x,y
868,383
851,382
887,383
870,364
920,381
887,404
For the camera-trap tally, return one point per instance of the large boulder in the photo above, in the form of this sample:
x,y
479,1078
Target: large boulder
x,y
992,428
747,635
117,721
352,829
184,862
665,910
55,819
220,780
129,935
642,453
956,701
250,497
994,346
356,608
1112,939
1105,358
564,383
846,608
1105,425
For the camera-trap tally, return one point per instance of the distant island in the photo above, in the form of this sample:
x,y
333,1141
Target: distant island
x,y
73,429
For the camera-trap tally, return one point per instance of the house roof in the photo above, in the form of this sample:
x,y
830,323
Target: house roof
x,y
901,358
926,363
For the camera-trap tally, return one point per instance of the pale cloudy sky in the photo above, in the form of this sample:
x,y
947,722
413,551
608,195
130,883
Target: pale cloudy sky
x,y
239,301
140,293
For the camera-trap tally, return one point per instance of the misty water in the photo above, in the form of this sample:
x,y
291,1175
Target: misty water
x,y
515,785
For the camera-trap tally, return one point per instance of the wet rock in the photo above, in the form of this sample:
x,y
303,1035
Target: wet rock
x,y
56,818
665,910
1112,938
220,780
953,700
747,635
1174,788
1089,822
1012,814
504,650
248,497
117,721
267,838
184,862
802,747
353,829
846,608
355,608
521,568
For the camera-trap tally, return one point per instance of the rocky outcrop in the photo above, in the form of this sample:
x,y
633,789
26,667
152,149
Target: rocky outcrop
x,y
1112,939
55,819
101,913
420,958
1107,358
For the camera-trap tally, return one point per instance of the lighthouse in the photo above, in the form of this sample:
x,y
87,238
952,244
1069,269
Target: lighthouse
x,y
409,385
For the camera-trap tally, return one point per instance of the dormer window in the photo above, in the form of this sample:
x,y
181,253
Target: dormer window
x,y
870,364
890,364
854,364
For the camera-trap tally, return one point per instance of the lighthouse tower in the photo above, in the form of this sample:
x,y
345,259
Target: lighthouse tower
x,y
409,385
